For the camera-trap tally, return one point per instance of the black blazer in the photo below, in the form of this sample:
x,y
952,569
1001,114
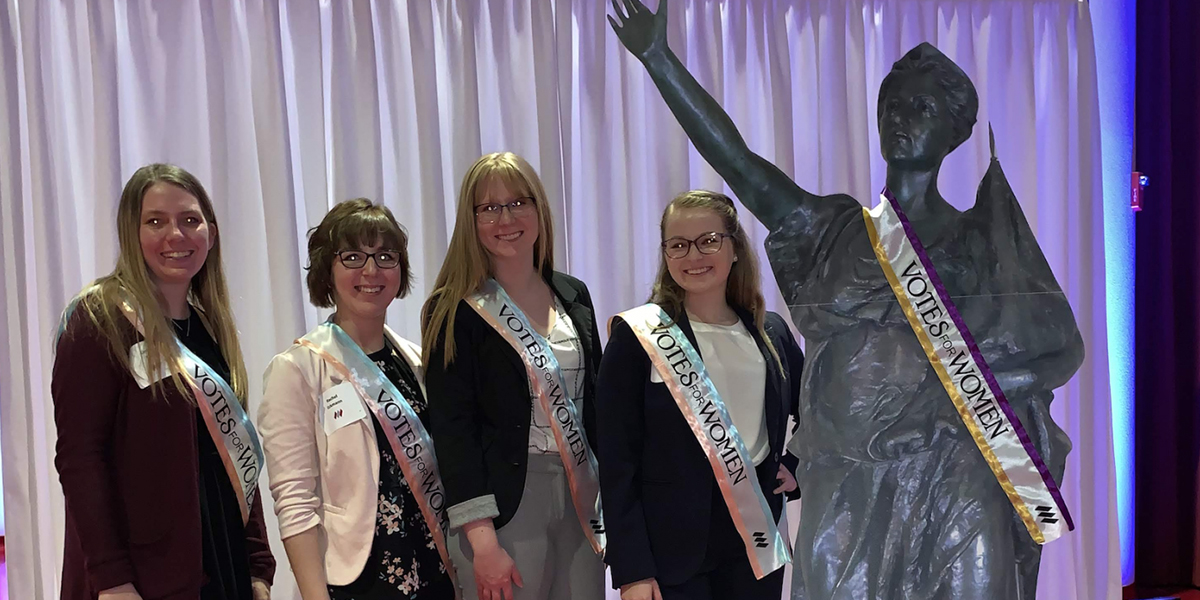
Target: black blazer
x,y
479,406
656,483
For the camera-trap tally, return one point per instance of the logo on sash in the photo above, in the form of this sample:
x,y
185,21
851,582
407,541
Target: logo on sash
x,y
405,433
679,365
965,375
546,378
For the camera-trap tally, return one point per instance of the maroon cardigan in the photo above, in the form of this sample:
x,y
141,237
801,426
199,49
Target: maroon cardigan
x,y
128,463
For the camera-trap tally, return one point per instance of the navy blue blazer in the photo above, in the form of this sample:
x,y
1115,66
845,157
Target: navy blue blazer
x,y
655,481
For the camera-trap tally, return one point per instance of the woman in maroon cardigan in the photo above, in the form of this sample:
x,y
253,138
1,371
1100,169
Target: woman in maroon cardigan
x,y
158,505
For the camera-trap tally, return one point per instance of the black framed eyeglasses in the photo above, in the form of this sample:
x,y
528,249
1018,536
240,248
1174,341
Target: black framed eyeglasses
x,y
357,259
705,243
517,208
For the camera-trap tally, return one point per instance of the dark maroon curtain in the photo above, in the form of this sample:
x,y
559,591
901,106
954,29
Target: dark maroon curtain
x,y
1167,292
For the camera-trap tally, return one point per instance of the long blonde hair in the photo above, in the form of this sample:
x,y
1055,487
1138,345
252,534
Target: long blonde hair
x,y
131,282
467,264
743,288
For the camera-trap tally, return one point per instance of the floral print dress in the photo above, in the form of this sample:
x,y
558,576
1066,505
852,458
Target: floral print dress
x,y
404,563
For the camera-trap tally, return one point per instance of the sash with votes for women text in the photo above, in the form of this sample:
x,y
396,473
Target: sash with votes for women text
x,y
679,365
964,373
583,474
407,436
226,420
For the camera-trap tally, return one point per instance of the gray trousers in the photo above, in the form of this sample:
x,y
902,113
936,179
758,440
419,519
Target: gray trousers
x,y
544,539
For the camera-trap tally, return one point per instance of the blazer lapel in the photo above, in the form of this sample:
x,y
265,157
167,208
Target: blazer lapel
x,y
578,312
579,316
411,353
514,358
685,326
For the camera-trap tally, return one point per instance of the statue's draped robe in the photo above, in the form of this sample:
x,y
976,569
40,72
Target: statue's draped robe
x,y
897,502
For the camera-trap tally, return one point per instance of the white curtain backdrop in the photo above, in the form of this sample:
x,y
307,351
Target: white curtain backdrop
x,y
283,108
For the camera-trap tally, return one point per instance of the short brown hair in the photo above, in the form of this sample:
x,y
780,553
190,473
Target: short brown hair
x,y
350,225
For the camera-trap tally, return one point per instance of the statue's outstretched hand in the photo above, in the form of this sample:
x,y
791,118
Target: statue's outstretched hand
x,y
640,30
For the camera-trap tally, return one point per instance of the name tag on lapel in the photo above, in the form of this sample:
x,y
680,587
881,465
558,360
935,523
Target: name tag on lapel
x,y
654,376
342,406
137,364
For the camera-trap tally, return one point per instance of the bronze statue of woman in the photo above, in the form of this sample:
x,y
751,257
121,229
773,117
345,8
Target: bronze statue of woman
x,y
900,499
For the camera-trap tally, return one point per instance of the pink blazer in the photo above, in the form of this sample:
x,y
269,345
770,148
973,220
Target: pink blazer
x,y
331,482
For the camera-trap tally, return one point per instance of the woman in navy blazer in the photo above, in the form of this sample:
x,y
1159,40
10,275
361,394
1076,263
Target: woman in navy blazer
x,y
669,530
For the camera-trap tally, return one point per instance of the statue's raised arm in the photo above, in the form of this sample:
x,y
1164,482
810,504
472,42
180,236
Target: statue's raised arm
x,y
769,193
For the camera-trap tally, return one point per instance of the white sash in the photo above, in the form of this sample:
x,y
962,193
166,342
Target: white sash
x,y
965,375
493,304
230,427
406,435
679,365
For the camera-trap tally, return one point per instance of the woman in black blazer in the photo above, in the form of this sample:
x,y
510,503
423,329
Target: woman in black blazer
x,y
498,313
670,531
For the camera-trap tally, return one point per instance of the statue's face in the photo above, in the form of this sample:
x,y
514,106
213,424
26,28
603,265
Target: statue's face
x,y
916,130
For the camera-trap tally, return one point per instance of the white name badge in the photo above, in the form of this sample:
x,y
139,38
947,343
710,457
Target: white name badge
x,y
342,407
137,364
655,377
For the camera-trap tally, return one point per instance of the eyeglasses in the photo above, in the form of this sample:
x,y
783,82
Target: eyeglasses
x,y
489,213
357,259
707,243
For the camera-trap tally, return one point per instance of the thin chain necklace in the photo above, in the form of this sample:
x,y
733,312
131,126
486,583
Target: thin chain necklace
x,y
186,332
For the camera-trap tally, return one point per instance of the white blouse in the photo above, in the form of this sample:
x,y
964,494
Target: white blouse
x,y
739,372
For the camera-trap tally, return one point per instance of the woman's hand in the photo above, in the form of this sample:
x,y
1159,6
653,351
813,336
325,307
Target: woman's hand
x,y
495,574
787,483
260,589
495,571
121,592
646,589
640,30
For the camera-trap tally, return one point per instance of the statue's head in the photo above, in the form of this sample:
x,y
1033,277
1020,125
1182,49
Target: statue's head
x,y
927,107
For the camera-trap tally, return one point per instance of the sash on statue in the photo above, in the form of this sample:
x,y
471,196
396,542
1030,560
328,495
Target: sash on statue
x,y
407,436
965,374
493,304
680,367
228,423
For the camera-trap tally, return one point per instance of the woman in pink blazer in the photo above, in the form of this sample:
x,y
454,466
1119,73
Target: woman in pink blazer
x,y
356,489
